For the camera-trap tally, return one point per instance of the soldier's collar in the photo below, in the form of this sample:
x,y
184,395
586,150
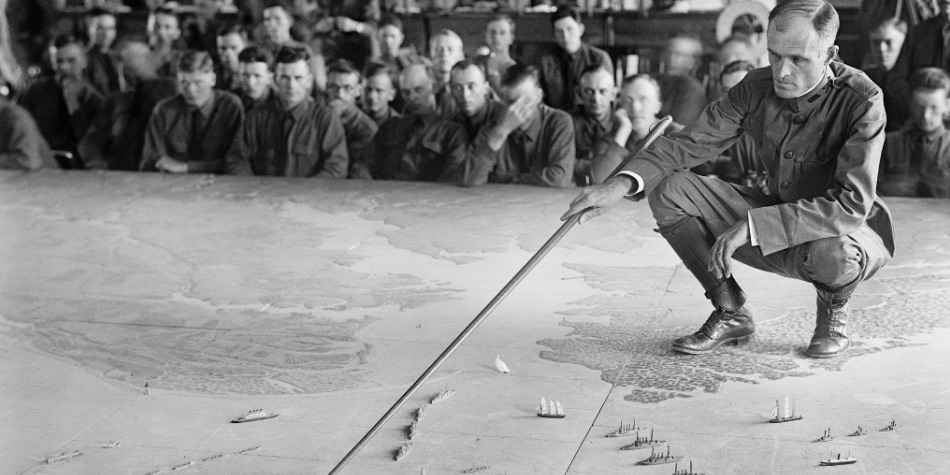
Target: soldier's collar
x,y
807,101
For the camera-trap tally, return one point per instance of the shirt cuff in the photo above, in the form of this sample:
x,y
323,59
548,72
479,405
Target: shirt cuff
x,y
637,181
753,238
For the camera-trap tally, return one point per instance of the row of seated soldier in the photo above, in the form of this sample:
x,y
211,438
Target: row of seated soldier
x,y
274,107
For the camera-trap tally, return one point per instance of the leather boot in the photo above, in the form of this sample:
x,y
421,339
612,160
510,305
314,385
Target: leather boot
x,y
730,322
834,310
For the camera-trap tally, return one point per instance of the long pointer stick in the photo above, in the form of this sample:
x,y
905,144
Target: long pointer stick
x,y
551,242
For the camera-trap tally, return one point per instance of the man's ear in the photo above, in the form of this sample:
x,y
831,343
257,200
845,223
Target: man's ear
x,y
832,54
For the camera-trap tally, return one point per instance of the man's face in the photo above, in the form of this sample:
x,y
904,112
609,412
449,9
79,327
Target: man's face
x,y
944,9
797,56
730,80
229,46
567,34
446,51
886,45
256,80
641,99
196,88
528,89
70,61
499,36
598,92
342,90
470,90
102,31
277,24
682,55
390,38
136,61
416,88
928,108
294,81
165,30
377,94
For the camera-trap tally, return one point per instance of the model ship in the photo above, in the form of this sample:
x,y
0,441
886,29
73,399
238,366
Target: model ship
x,y
476,468
554,409
625,430
643,442
255,415
838,461
825,437
858,432
62,457
890,427
658,458
784,416
404,450
676,470
443,395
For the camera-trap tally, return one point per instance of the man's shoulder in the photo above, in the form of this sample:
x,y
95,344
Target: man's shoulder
x,y
552,114
170,104
594,52
228,99
855,79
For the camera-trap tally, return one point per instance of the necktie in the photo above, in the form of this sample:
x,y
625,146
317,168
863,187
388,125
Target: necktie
x,y
196,137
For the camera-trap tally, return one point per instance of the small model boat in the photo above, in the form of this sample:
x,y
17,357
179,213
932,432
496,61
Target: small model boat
x,y
659,458
443,395
63,456
784,416
476,468
825,437
676,470
838,461
404,450
890,427
255,415
554,409
643,442
858,432
625,430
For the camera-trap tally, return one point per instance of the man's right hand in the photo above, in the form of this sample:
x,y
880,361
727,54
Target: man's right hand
x,y
624,126
600,197
518,112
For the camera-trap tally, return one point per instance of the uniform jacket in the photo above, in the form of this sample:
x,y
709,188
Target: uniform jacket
x,y
821,152
561,72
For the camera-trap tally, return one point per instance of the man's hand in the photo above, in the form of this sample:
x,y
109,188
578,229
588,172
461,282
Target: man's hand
x,y
720,257
518,112
624,126
599,197
346,25
170,165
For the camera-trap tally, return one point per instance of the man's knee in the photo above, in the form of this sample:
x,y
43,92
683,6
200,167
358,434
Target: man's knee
x,y
668,197
833,262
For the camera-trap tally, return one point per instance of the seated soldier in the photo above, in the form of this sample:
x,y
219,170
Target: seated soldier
x,y
391,52
445,49
231,40
639,110
530,143
257,78
116,138
101,70
916,160
192,131
343,87
292,136
348,29
421,145
64,106
683,96
499,36
163,37
21,145
379,91
593,117
886,40
561,69
277,24
473,97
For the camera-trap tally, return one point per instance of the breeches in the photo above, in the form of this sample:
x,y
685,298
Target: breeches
x,y
833,262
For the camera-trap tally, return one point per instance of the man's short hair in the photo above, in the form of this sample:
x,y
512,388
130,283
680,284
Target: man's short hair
x,y
195,62
253,54
291,54
930,79
505,18
167,12
895,23
565,11
232,29
62,41
97,12
342,66
735,67
444,33
468,63
636,77
518,73
390,20
823,16
282,4
426,66
594,69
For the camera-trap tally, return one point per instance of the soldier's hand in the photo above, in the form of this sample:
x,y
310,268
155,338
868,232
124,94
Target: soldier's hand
x,y
720,257
599,197
518,112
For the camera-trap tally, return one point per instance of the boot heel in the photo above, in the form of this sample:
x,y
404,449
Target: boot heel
x,y
742,341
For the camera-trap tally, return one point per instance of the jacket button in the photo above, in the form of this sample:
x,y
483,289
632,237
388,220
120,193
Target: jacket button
x,y
799,119
789,154
785,185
